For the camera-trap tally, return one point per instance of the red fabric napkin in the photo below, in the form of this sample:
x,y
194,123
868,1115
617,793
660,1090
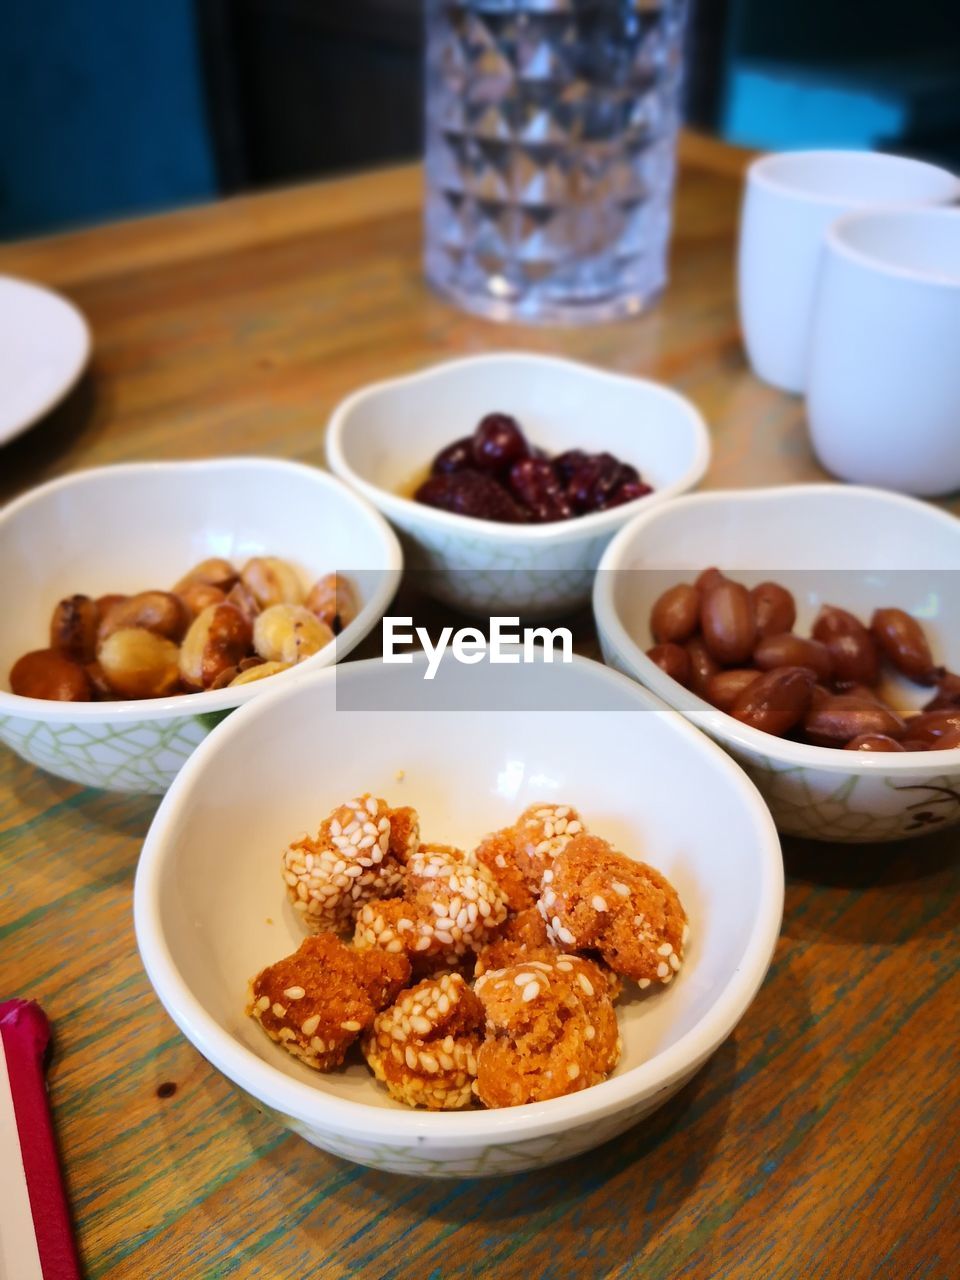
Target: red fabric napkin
x,y
24,1037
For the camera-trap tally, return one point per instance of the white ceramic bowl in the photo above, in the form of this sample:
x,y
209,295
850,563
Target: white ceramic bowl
x,y
142,525
383,438
277,766
853,547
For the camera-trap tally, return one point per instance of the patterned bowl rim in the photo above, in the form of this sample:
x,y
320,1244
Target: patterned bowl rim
x,y
195,704
310,1105
717,723
408,514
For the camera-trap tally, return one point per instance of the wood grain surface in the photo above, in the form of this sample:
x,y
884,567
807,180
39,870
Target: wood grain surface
x,y
820,1141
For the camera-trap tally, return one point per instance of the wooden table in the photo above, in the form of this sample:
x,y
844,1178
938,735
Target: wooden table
x,y
820,1139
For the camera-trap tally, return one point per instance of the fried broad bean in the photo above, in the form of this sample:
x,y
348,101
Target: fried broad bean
x,y
243,599
776,701
51,675
873,742
197,596
213,572
271,580
789,650
289,633
774,609
673,659
218,638
675,615
856,659
902,639
333,598
259,672
73,628
727,622
703,665
161,612
139,664
838,719
724,688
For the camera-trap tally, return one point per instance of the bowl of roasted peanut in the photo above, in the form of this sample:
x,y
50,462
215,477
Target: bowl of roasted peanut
x,y
812,631
475,924
153,598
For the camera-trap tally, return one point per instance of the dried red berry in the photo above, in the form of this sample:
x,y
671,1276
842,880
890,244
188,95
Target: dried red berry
x,y
498,442
470,493
535,483
455,457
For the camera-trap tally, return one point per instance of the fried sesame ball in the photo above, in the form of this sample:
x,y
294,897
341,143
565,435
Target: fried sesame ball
x,y
424,1047
394,924
404,832
523,936
549,1031
596,898
316,1002
347,863
457,902
517,856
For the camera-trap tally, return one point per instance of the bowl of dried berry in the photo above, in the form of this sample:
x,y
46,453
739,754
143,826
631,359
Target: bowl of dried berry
x,y
507,474
152,598
813,632
459,942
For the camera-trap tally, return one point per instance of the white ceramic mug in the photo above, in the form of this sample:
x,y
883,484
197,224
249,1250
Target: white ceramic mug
x,y
791,198
883,387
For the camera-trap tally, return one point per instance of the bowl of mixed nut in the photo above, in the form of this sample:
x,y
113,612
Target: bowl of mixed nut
x,y
812,631
153,598
508,473
459,942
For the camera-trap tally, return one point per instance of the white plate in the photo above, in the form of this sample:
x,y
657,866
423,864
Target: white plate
x,y
44,347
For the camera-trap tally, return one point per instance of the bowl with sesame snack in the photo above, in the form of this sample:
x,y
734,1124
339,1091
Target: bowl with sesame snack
x,y
475,924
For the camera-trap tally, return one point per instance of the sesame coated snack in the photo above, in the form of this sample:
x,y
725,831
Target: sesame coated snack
x,y
348,862
424,1047
316,1002
458,904
517,856
551,1031
484,977
598,899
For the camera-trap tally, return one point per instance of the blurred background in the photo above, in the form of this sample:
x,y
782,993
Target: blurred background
x,y
113,109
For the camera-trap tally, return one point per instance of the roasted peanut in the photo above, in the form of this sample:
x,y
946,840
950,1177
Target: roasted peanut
x,y
852,648
289,633
107,602
946,741
947,695
161,612
218,638
708,578
703,665
137,663
775,701
51,675
930,726
73,628
788,650
835,721
901,638
725,687
259,672
214,572
774,609
333,598
673,659
727,622
675,615
271,580
873,742
197,596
